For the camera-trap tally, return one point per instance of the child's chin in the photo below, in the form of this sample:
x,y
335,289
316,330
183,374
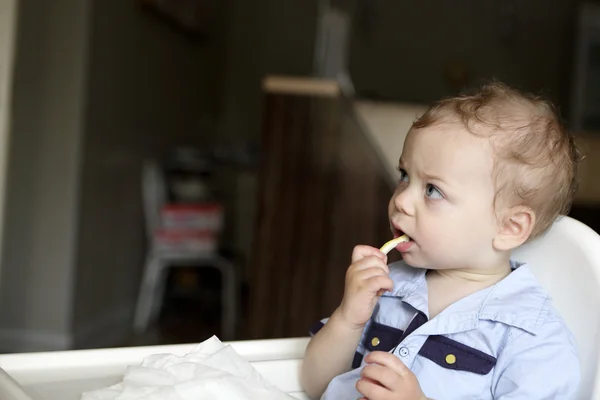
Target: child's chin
x,y
413,261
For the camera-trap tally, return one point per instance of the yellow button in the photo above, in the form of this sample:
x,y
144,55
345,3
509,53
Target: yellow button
x,y
450,359
375,341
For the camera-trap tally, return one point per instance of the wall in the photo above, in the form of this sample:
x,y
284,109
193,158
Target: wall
x,y
8,16
404,50
149,89
263,37
43,174
107,87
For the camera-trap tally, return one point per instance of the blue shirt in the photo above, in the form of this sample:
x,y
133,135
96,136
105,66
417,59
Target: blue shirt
x,y
505,342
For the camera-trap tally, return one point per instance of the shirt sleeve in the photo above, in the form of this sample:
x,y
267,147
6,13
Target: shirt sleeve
x,y
542,366
317,327
360,350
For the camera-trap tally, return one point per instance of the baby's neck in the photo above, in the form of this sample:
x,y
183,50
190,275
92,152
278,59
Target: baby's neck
x,y
467,277
446,287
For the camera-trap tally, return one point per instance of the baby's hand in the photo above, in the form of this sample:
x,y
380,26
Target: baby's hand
x,y
366,279
387,378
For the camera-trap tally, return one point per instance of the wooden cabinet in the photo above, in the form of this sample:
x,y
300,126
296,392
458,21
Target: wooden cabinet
x,y
322,191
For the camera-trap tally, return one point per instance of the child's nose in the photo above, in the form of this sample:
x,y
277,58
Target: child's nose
x,y
404,201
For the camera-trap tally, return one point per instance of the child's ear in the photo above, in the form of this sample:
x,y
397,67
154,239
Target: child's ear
x,y
515,228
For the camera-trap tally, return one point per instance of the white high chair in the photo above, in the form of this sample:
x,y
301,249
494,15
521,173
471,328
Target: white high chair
x,y
566,262
158,260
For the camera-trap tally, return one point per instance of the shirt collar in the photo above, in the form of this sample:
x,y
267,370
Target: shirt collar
x,y
517,300
410,286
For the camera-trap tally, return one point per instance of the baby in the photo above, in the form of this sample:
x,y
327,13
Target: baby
x,y
480,175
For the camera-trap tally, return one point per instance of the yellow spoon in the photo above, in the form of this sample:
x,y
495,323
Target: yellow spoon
x,y
390,245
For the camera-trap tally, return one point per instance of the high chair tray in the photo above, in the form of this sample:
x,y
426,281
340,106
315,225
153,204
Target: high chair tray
x,y
65,375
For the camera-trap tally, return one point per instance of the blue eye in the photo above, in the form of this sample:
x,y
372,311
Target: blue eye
x,y
432,192
403,175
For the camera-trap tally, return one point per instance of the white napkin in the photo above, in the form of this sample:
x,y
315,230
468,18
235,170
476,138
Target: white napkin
x,y
211,371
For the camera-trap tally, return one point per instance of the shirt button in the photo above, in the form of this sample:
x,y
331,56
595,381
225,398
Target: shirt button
x,y
450,359
375,341
403,352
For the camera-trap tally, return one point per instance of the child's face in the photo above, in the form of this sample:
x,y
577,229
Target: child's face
x,y
444,201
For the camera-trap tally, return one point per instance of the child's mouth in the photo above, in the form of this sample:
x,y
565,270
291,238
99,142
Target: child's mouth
x,y
403,246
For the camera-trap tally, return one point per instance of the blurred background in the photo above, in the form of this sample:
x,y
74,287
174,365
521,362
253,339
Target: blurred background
x,y
174,169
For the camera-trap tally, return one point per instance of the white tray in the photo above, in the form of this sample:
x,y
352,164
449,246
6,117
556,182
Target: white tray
x,y
65,375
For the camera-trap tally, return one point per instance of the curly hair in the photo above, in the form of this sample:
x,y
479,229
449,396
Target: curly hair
x,y
536,157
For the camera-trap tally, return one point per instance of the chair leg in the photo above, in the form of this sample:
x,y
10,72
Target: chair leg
x,y
158,295
229,300
146,296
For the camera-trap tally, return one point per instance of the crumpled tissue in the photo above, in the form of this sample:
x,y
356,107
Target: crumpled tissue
x,y
211,371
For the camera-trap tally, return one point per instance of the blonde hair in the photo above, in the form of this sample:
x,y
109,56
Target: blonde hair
x,y
536,157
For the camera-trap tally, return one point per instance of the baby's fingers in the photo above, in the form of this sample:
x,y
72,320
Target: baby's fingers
x,y
362,251
384,376
380,284
375,280
365,274
370,262
372,390
388,360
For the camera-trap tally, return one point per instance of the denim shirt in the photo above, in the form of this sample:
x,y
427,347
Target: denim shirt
x,y
504,342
